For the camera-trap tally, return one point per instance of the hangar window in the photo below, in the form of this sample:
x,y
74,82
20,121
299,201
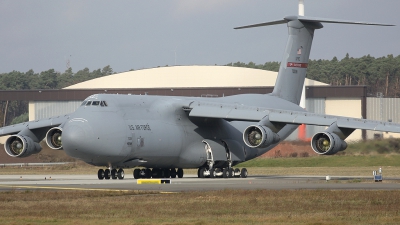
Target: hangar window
x,y
83,103
88,103
96,103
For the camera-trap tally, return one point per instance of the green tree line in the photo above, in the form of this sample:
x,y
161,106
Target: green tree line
x,y
17,111
49,79
378,74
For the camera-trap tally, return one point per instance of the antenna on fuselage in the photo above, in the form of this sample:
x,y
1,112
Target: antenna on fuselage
x,y
301,7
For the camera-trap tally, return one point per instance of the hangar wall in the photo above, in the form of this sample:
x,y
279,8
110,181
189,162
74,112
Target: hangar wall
x,y
46,109
350,107
383,109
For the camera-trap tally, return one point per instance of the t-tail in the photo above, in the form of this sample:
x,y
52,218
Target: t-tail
x,y
293,68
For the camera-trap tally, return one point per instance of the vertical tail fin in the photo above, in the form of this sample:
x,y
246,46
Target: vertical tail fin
x,y
293,68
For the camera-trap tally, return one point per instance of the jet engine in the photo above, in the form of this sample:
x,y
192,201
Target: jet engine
x,y
21,146
53,138
326,143
257,136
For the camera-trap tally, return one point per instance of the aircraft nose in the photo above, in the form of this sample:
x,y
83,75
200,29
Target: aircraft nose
x,y
77,136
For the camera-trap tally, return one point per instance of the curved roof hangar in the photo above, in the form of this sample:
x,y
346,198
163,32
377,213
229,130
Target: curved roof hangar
x,y
186,77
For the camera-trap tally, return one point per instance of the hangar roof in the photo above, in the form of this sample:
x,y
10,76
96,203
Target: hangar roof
x,y
187,76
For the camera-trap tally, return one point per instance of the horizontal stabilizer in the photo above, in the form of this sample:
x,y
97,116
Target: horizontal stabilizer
x,y
311,19
325,20
263,24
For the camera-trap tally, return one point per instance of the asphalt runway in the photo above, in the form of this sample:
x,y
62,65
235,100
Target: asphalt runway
x,y
192,183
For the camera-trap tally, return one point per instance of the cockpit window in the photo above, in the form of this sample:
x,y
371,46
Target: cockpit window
x,y
103,104
94,103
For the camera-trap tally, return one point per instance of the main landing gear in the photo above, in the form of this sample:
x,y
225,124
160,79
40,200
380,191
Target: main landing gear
x,y
113,174
157,173
221,172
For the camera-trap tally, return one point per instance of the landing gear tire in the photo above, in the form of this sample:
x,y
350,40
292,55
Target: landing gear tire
x,y
147,173
154,173
121,174
230,175
225,173
212,173
180,173
218,172
136,173
243,173
173,173
143,173
113,174
107,174
167,173
100,174
237,172
201,173
160,173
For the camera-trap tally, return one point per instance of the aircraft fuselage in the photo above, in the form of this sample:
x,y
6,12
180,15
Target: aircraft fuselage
x,y
155,131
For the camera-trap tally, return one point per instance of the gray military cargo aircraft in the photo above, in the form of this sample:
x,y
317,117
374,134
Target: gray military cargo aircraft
x,y
165,135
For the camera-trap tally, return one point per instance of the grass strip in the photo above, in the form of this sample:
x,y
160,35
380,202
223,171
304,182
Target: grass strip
x,y
213,207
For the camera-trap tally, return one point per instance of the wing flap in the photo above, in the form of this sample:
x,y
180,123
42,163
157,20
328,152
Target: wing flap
x,y
369,125
327,120
294,117
387,128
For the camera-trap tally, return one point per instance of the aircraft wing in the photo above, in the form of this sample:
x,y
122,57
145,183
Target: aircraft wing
x,y
250,113
32,125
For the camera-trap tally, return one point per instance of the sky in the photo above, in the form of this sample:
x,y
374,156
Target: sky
x,y
138,34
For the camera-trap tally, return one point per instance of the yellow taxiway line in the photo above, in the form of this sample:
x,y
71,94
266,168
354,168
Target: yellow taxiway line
x,y
59,188
153,181
72,188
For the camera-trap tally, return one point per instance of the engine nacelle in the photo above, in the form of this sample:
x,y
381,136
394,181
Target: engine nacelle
x,y
53,138
257,136
326,143
21,146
